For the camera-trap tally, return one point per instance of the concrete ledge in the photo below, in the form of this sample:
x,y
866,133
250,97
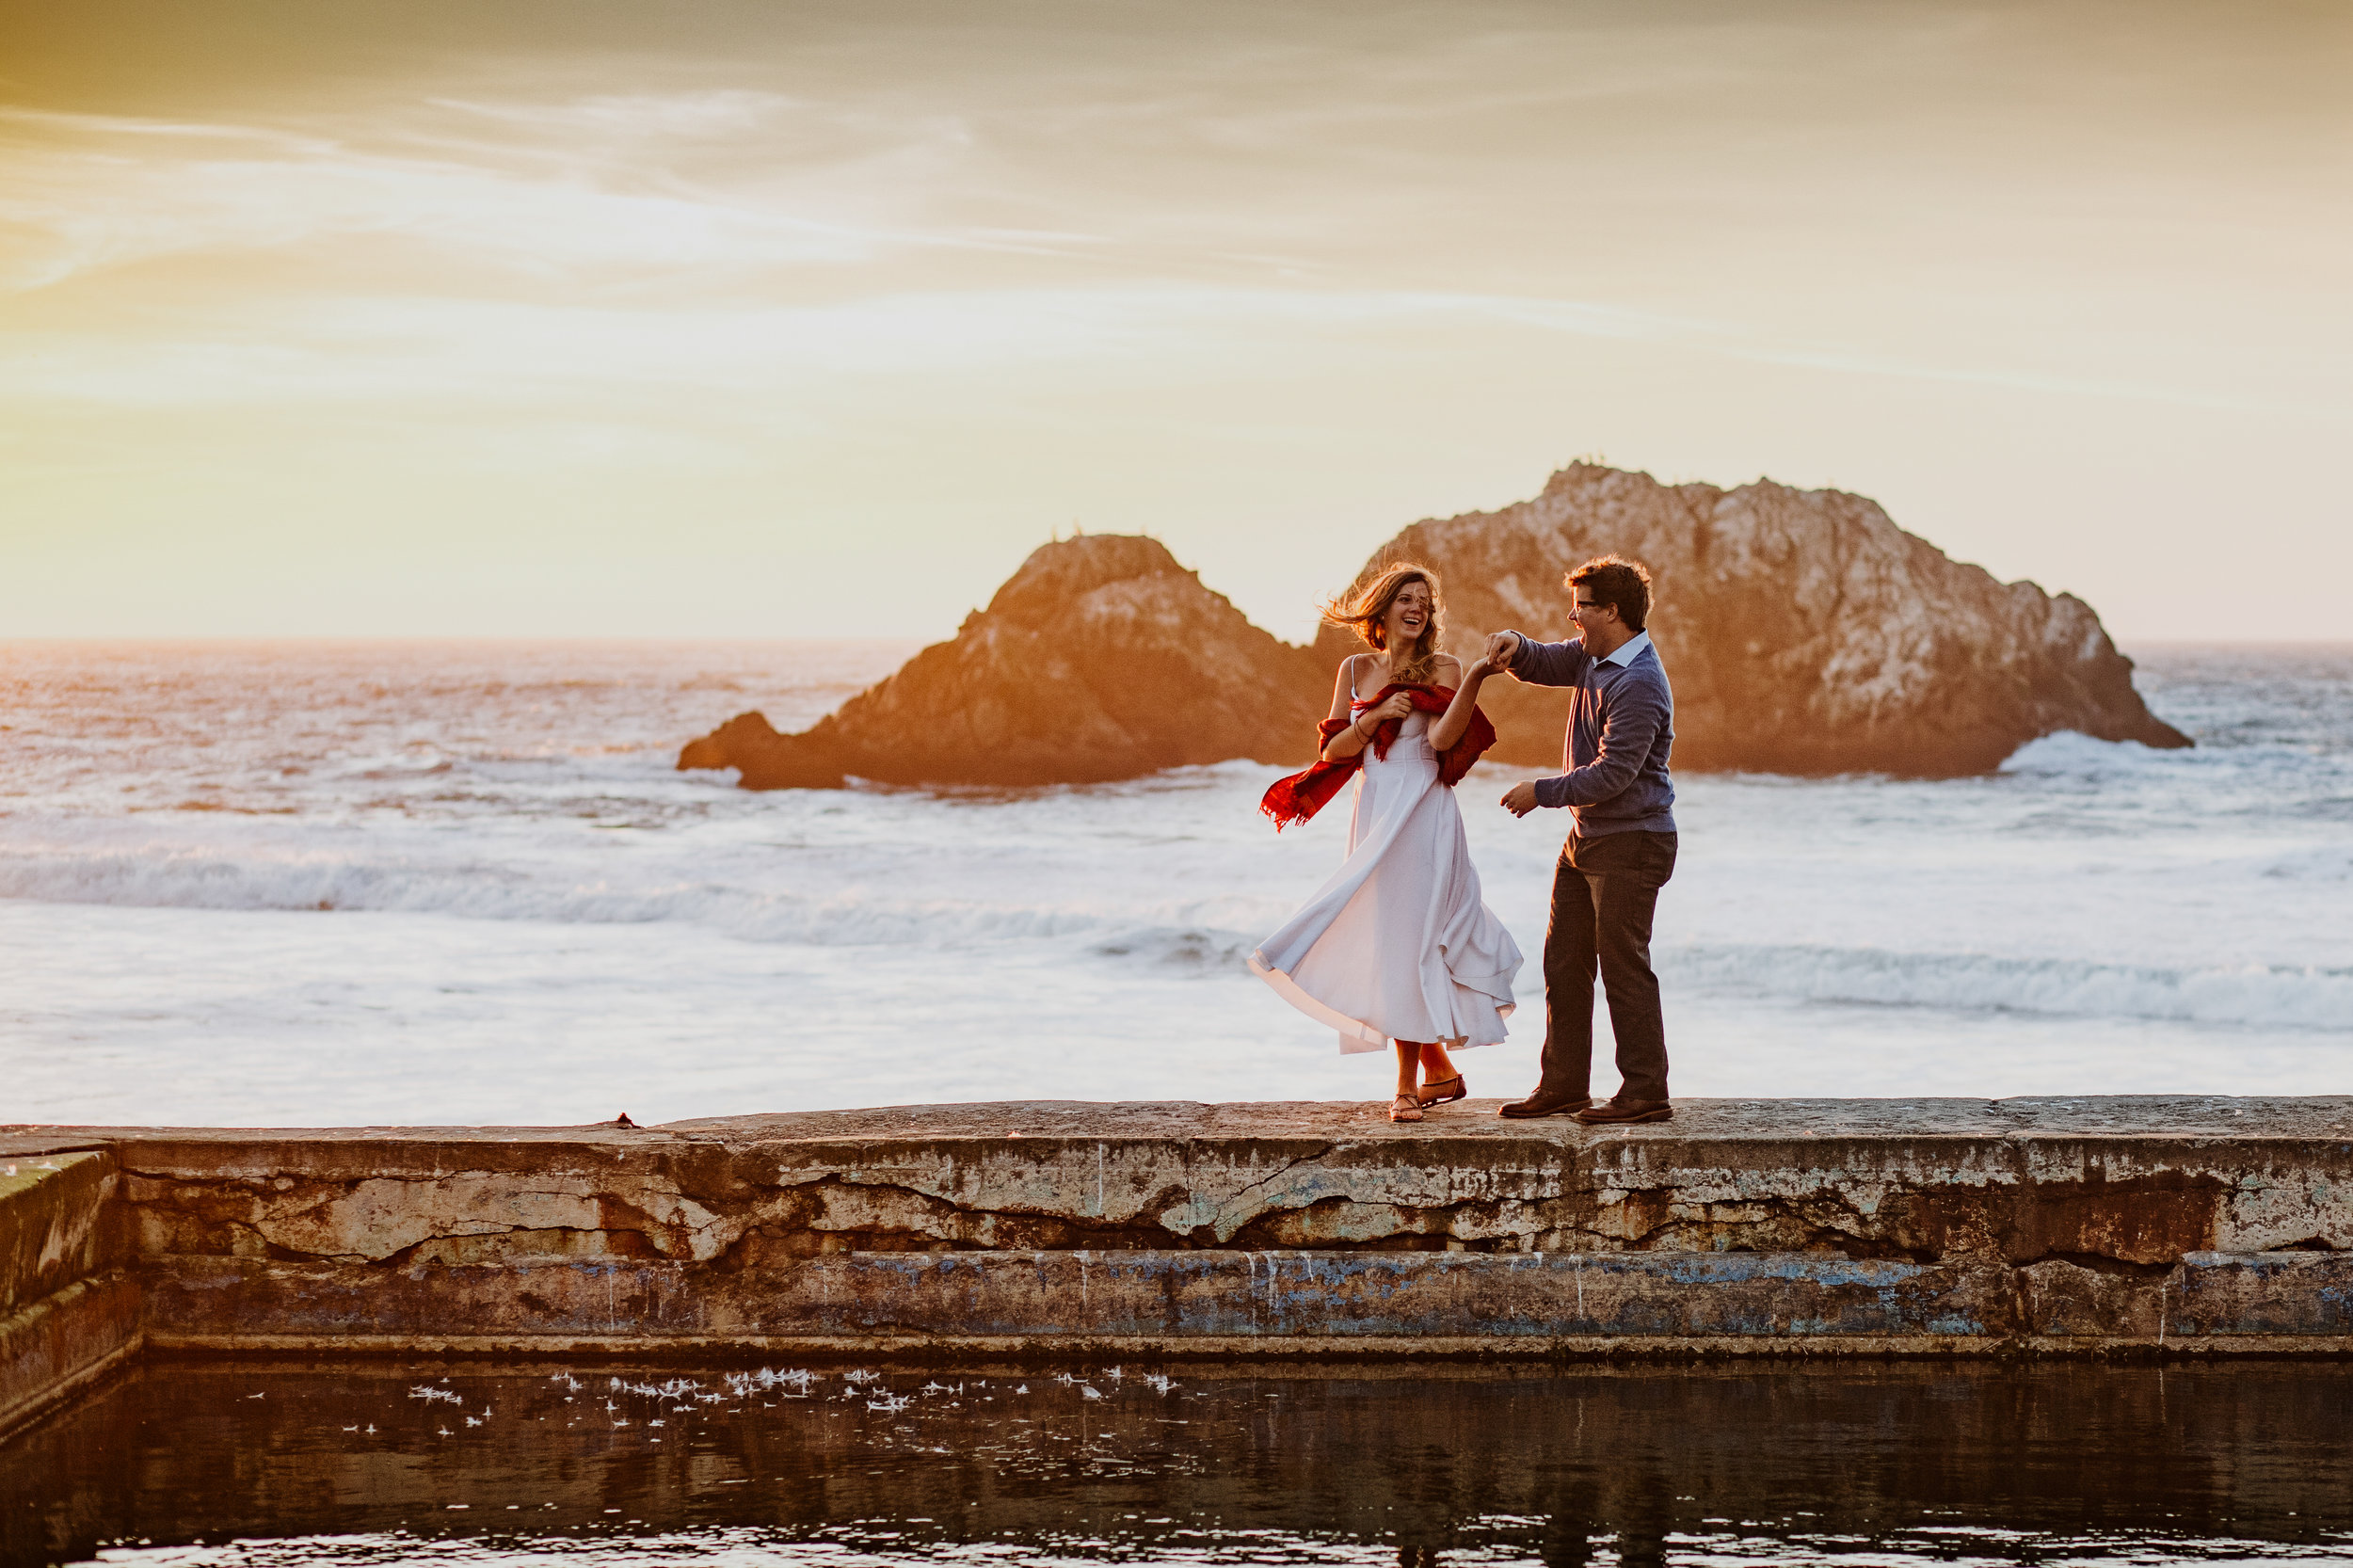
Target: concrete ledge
x,y
2134,1181
65,1343
59,1330
1048,1228
51,1224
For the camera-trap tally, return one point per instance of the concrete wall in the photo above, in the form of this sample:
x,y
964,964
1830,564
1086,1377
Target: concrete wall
x,y
68,1313
1935,1226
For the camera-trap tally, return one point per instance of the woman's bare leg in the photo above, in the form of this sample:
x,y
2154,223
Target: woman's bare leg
x,y
1436,1065
1407,1106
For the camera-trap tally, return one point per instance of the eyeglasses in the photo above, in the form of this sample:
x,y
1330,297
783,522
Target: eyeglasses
x,y
1590,604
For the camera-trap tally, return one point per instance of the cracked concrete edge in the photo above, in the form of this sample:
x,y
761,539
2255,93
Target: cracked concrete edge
x,y
310,1216
1149,1169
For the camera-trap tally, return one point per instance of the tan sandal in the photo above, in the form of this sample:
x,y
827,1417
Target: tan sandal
x,y
1450,1089
1406,1107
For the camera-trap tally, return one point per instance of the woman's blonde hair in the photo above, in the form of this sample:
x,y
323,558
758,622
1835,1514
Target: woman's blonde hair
x,y
1365,608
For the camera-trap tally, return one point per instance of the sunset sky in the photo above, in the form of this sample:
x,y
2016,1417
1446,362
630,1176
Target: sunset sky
x,y
780,318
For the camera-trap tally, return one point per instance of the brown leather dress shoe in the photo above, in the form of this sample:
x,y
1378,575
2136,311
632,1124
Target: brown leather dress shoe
x,y
1542,1104
1620,1112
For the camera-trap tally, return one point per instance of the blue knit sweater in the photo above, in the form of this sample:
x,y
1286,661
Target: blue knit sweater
x,y
1621,727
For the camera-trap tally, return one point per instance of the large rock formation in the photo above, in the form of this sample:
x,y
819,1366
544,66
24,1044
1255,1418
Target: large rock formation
x,y
1101,659
1803,632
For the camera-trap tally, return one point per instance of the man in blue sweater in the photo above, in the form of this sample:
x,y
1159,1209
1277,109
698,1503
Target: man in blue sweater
x,y
1621,848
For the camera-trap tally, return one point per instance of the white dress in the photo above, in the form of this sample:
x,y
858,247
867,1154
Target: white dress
x,y
1397,944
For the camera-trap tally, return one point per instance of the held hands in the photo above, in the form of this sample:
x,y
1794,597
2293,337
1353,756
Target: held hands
x,y
1502,647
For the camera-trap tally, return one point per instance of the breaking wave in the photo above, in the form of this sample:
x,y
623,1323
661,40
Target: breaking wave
x,y
855,911
2245,994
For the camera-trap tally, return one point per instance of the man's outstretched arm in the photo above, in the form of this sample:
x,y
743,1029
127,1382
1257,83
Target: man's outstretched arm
x,y
1538,663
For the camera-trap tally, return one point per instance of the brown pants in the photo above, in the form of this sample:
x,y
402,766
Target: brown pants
x,y
1603,893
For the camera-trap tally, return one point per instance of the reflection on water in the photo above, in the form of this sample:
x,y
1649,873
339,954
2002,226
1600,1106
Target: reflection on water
x,y
213,1464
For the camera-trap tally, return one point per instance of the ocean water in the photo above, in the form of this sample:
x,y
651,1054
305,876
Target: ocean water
x,y
348,883
189,1463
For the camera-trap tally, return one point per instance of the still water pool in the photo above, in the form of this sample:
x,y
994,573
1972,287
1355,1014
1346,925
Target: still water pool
x,y
204,1464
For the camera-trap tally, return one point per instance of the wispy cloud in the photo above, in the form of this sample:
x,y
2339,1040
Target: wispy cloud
x,y
471,353
84,193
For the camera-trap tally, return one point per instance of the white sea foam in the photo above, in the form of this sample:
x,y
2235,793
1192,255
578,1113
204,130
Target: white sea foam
x,y
2247,995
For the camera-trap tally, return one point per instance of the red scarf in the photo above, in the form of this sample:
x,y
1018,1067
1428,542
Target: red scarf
x,y
1302,794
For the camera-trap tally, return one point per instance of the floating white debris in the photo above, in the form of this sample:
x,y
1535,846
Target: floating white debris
x,y
861,1376
890,1402
427,1392
742,1383
1090,1391
1159,1382
1023,1389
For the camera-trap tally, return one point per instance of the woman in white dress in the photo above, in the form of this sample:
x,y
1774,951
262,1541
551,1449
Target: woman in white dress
x,y
1397,948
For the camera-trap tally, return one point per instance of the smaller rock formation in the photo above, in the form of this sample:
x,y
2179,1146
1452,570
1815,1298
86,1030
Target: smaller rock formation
x,y
1101,659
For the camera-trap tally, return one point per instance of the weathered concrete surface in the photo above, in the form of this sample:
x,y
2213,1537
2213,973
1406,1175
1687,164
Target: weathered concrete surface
x,y
51,1229
2129,1181
1167,1299
65,1343
1907,1226
61,1329
1224,1304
